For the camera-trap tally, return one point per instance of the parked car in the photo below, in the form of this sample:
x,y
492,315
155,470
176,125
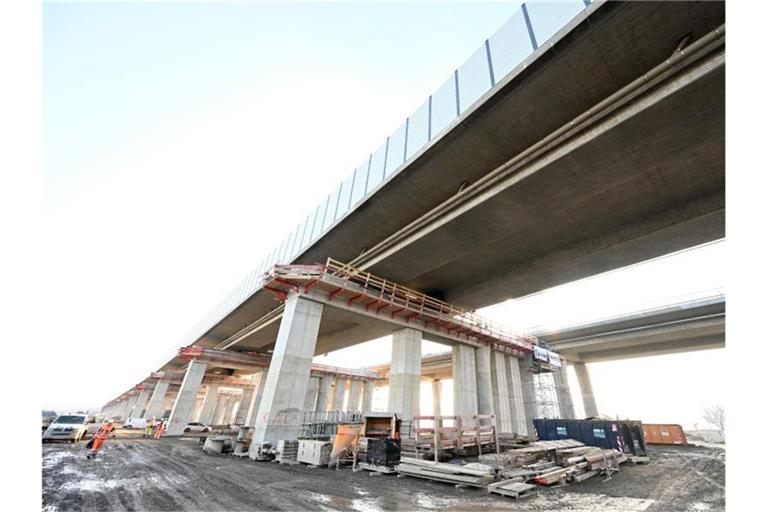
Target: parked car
x,y
140,423
66,427
197,427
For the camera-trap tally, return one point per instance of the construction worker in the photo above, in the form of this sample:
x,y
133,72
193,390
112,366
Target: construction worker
x,y
148,428
161,429
96,443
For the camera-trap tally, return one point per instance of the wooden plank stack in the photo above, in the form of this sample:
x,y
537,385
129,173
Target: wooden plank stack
x,y
476,475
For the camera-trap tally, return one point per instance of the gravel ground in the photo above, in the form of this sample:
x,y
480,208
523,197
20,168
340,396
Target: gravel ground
x,y
138,474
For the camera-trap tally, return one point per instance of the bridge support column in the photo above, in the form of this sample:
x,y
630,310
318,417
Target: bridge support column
x,y
210,403
185,399
242,411
220,411
501,399
484,381
517,398
288,377
338,394
170,399
312,391
324,393
367,396
464,381
530,403
437,392
564,401
249,404
405,373
141,403
355,390
130,405
585,383
121,408
156,401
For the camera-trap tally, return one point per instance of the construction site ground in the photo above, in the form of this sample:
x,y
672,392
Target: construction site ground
x,y
174,474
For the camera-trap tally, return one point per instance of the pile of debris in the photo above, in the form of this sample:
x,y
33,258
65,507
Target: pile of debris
x,y
519,471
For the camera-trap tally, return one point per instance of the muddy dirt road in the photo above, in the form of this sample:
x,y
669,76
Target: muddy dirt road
x,y
136,474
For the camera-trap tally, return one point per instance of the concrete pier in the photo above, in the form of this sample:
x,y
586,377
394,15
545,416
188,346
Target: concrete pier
x,y
185,400
250,407
464,381
564,401
141,403
367,396
220,411
405,373
210,402
287,380
528,381
245,402
355,393
437,391
310,400
130,406
502,405
337,404
585,383
157,400
484,381
516,397
324,393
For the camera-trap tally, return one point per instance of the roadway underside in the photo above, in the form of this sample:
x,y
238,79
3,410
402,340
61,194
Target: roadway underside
x,y
643,180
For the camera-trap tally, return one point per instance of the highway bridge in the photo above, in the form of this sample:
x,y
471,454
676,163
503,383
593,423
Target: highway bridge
x,y
581,137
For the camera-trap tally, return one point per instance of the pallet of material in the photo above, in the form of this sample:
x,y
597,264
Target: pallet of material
x,y
512,489
287,452
477,475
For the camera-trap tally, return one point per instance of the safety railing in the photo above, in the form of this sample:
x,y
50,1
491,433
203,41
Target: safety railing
x,y
382,295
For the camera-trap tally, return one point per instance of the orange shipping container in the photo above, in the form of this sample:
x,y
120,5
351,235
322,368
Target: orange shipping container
x,y
663,434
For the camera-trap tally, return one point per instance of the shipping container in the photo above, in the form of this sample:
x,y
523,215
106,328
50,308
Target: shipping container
x,y
663,434
623,435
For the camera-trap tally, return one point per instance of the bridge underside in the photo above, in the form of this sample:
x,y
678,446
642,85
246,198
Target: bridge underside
x,y
649,183
696,325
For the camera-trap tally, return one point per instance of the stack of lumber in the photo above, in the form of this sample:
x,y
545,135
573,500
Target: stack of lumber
x,y
553,475
477,475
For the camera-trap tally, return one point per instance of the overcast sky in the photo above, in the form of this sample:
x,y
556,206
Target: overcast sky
x,y
183,141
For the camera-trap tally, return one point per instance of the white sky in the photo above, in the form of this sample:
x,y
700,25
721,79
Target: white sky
x,y
181,142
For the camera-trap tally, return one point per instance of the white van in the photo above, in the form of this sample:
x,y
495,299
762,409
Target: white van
x,y
140,423
66,427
